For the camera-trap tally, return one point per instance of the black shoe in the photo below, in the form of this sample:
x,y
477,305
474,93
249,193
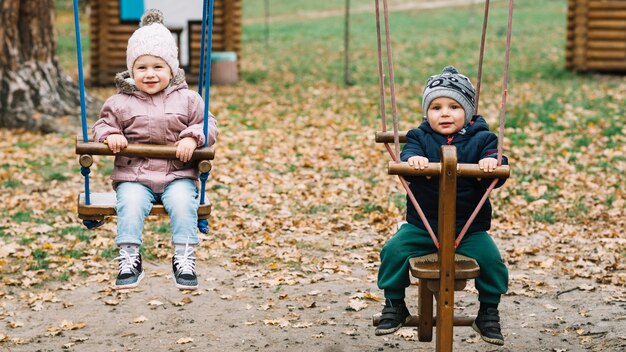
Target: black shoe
x,y
184,268
487,324
130,270
392,319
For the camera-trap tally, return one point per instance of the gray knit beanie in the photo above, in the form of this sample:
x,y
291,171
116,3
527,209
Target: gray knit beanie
x,y
451,84
152,38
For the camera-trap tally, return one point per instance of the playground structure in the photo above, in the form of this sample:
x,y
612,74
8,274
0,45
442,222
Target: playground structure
x,y
596,35
441,273
110,32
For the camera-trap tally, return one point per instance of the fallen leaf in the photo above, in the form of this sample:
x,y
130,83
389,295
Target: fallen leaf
x,y
184,340
357,305
140,319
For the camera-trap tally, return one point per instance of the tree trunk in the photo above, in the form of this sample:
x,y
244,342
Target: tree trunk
x,y
33,90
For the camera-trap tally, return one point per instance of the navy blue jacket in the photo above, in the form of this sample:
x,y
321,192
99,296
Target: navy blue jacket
x,y
473,142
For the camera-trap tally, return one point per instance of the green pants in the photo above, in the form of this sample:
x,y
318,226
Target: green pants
x,y
411,241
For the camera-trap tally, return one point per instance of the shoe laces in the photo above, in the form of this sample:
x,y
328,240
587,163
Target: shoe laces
x,y
127,261
185,263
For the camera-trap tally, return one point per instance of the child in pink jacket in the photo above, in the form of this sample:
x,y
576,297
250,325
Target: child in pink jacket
x,y
154,106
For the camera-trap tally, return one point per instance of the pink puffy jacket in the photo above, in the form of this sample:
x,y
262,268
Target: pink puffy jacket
x,y
163,118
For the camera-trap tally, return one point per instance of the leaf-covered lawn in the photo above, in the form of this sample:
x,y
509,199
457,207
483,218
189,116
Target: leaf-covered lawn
x,y
300,188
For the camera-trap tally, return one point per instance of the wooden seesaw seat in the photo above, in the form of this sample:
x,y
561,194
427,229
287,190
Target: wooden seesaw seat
x,y
103,204
442,273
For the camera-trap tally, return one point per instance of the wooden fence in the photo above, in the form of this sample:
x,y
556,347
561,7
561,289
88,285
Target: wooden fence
x,y
109,37
596,35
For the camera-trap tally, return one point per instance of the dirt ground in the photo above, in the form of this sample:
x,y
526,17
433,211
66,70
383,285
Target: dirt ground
x,y
234,311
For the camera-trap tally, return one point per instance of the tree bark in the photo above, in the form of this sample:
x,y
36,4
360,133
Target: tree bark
x,y
33,90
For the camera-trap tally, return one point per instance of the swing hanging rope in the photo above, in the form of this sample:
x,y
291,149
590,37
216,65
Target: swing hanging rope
x,y
83,110
207,32
395,156
505,80
383,114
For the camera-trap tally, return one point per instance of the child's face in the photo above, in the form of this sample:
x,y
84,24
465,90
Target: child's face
x,y
151,74
445,116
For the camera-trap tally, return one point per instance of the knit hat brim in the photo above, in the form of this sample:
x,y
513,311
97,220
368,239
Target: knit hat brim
x,y
468,107
451,84
152,38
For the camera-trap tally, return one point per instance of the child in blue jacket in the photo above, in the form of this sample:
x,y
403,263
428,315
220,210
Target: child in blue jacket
x,y
448,104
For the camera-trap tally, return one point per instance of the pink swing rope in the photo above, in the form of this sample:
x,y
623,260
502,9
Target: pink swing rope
x,y
505,80
395,156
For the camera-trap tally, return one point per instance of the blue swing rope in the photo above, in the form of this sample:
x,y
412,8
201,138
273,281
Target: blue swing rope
x,y
202,48
207,25
83,111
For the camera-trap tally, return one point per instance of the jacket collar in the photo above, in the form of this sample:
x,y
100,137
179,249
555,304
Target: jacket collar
x,y
126,85
477,124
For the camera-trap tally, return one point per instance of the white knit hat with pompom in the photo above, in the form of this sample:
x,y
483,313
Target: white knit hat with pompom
x,y
152,38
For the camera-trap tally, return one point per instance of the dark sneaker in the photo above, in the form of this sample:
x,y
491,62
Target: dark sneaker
x,y
392,319
184,268
487,324
130,270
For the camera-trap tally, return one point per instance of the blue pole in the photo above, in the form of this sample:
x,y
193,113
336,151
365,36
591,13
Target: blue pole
x,y
81,77
207,96
81,83
207,75
202,47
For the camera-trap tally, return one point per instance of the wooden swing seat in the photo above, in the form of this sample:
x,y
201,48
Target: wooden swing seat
x,y
440,274
427,267
103,204
426,270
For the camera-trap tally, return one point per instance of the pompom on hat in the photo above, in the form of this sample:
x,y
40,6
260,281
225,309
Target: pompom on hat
x,y
451,84
152,38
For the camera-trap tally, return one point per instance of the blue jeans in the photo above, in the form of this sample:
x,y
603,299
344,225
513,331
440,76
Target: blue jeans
x,y
134,202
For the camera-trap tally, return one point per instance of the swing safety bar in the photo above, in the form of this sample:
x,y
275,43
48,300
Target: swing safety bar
x,y
387,137
141,150
434,169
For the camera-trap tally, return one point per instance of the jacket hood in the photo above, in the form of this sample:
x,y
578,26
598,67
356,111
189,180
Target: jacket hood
x,y
126,85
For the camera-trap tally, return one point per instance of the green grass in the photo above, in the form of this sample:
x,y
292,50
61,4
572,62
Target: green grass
x,y
109,253
256,8
12,183
369,208
23,216
40,260
161,227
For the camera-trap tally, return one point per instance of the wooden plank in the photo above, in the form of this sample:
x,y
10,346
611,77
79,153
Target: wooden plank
x,y
387,137
141,150
606,65
607,5
427,267
607,15
414,320
607,24
606,54
607,45
434,169
447,234
607,35
103,204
